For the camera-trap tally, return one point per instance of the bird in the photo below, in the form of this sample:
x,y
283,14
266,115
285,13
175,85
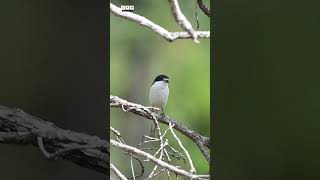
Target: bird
x,y
159,92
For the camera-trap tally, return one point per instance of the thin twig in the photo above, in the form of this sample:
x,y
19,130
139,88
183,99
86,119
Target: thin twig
x,y
117,172
151,175
61,152
167,154
192,170
141,165
120,139
165,132
41,147
132,169
177,156
162,145
118,135
157,173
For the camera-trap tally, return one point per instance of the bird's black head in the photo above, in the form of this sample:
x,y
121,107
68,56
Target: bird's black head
x,y
161,78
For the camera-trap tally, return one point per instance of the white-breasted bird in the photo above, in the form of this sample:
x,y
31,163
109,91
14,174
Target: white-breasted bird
x,y
159,92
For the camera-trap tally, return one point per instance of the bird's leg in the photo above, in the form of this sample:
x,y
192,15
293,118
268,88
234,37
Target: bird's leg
x,y
162,112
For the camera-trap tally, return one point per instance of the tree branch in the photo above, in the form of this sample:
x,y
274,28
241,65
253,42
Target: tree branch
x,y
202,142
117,172
203,7
157,161
181,19
192,170
169,36
18,127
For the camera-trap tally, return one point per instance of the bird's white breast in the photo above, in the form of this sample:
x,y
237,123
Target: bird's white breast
x,y
159,93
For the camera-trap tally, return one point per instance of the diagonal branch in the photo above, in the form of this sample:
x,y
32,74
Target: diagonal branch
x,y
192,170
202,142
169,36
117,172
203,7
181,19
18,127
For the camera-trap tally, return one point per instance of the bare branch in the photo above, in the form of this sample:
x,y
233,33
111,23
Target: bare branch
x,y
202,142
18,127
169,36
157,161
181,19
185,35
141,166
203,7
120,139
192,170
117,172
117,134
157,173
132,169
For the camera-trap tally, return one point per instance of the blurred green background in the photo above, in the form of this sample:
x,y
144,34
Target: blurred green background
x,y
53,65
138,55
266,90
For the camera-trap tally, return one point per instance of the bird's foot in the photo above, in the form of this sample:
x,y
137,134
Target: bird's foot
x,y
162,114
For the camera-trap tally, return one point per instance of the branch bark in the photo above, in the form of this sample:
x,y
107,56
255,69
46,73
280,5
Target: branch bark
x,y
169,36
202,142
18,127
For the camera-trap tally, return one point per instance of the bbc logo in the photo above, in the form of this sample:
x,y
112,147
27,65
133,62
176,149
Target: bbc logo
x,y
129,8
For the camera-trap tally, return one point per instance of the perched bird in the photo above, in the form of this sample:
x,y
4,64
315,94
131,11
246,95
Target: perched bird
x,y
159,92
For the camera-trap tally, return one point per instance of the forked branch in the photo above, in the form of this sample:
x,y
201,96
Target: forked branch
x,y
155,160
169,36
202,142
